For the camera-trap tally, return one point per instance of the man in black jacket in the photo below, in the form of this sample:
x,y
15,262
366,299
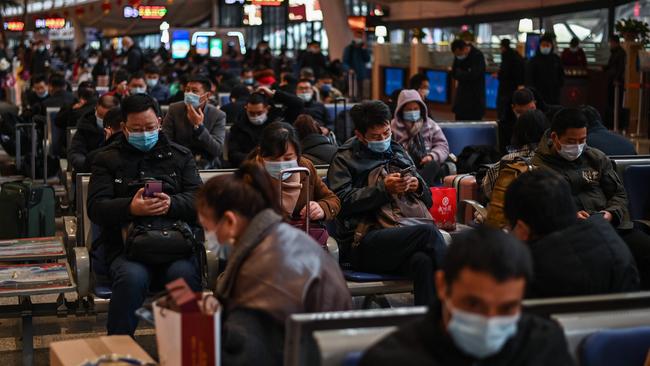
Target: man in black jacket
x,y
90,133
571,257
238,99
112,132
511,77
544,71
480,320
414,249
260,111
116,200
314,108
134,56
598,136
615,70
469,70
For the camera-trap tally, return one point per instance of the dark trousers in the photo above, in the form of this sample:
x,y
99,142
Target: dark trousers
x,y
414,251
639,244
132,281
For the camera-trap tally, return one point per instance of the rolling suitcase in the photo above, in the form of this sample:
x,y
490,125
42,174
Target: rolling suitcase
x,y
466,189
26,210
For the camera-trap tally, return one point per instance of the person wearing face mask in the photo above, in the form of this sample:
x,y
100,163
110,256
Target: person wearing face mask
x,y
544,71
480,320
112,132
419,135
574,56
511,78
571,257
313,58
197,125
367,241
355,58
279,149
327,93
155,88
137,83
596,187
247,78
40,59
469,70
312,107
241,211
90,134
420,82
117,202
260,110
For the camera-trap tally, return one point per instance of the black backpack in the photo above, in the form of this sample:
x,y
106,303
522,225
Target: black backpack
x,y
473,157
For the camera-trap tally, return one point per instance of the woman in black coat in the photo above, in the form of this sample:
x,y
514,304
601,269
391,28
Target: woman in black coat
x,y
315,146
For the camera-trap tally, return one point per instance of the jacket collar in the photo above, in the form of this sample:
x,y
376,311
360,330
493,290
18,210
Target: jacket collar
x,y
254,234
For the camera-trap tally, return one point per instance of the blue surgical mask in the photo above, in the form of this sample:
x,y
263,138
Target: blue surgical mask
x,y
143,141
545,50
138,90
274,168
43,94
480,336
326,88
249,81
380,146
461,57
152,82
411,116
192,99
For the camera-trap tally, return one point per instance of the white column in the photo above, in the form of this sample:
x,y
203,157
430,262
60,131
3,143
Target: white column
x,y
335,20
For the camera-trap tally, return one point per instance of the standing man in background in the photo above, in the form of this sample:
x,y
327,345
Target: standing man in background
x,y
615,70
355,57
511,77
545,72
469,71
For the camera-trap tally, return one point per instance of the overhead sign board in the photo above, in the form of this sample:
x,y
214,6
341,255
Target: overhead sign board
x,y
145,12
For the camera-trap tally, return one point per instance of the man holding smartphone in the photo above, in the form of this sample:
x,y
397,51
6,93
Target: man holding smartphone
x,y
197,125
141,159
414,247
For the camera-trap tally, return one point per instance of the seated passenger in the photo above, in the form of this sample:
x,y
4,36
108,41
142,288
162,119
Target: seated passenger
x,y
571,257
112,132
326,92
599,137
480,320
279,150
197,125
260,111
70,114
523,100
419,135
420,82
119,87
155,88
117,204
274,270
372,174
90,134
529,129
313,107
315,146
137,84
238,99
595,186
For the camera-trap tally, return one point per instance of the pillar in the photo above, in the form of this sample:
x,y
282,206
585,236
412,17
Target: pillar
x,y
79,32
335,20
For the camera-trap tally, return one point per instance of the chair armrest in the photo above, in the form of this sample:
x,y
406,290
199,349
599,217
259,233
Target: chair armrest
x,y
333,248
81,271
476,206
643,225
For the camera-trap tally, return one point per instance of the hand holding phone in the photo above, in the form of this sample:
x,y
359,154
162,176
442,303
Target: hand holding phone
x,y
151,187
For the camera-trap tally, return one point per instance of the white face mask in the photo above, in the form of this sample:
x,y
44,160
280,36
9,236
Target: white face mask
x,y
257,120
545,50
571,152
212,244
305,96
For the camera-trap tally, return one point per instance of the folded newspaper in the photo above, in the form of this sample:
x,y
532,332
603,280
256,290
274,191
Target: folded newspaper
x,y
42,275
31,248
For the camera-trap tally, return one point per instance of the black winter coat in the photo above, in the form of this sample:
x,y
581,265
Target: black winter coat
x,y
244,136
89,137
587,258
511,72
546,74
318,112
425,343
470,94
318,149
348,178
117,174
611,143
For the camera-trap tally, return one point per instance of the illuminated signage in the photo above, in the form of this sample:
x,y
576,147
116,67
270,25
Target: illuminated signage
x,y
50,23
14,26
231,2
145,12
267,2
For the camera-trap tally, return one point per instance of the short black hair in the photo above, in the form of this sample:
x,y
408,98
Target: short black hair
x,y
86,85
258,98
368,114
120,76
108,101
245,70
547,37
490,251
87,94
594,119
57,81
38,78
568,118
136,75
417,80
574,41
522,96
151,69
505,43
529,128
113,118
458,44
275,139
304,81
138,103
205,82
240,92
543,200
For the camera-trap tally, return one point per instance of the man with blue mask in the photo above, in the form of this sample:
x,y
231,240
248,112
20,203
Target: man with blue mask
x,y
596,187
469,70
196,124
120,199
369,174
545,72
479,320
137,84
155,87
314,108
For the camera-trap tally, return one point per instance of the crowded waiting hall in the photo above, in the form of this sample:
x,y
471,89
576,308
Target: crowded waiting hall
x,y
325,182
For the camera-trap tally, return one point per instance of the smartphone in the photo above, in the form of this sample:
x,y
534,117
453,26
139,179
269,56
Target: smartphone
x,y
151,187
406,172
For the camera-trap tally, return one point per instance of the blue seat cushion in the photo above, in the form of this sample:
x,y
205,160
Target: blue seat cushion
x,y
352,359
627,346
354,276
103,291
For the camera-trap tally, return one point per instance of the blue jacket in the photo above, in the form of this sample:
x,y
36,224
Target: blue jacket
x,y
355,58
611,143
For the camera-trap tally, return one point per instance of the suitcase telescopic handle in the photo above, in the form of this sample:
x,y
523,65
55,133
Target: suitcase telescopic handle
x,y
307,173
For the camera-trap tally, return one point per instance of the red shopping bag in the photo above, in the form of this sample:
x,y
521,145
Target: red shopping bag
x,y
443,209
